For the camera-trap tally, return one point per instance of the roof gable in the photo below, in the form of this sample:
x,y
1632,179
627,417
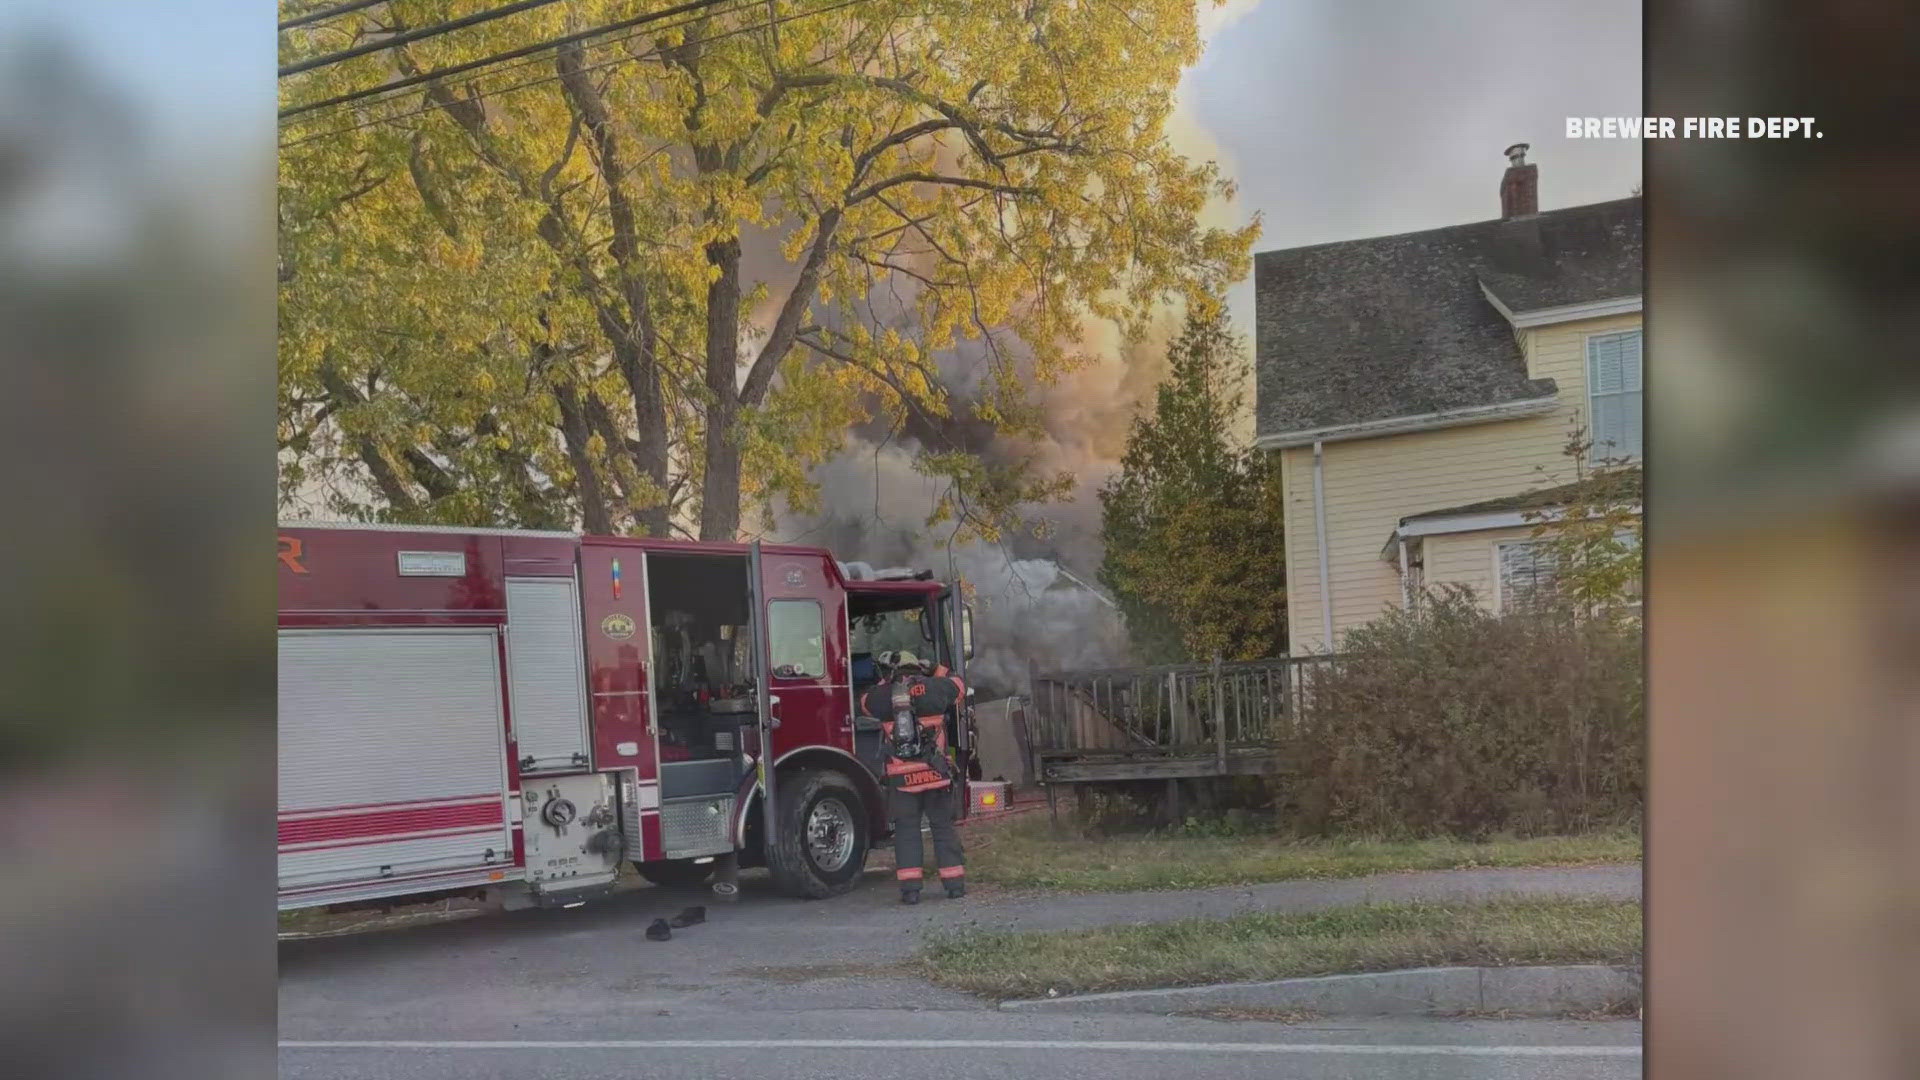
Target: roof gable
x,y
1397,326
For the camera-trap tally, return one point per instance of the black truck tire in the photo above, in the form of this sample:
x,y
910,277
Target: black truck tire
x,y
672,872
820,838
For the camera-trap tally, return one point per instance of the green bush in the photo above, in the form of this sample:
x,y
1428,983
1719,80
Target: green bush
x,y
1449,720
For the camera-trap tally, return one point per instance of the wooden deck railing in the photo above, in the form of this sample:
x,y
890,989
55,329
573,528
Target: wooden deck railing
x,y
1170,707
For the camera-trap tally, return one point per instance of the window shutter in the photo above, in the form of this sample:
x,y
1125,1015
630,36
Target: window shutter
x,y
1609,432
1630,362
1614,385
1628,444
1526,572
1607,374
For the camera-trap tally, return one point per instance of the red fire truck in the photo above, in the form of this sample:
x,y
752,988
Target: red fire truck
x,y
479,709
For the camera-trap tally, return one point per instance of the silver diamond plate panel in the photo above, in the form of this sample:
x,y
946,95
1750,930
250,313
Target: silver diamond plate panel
x,y
690,828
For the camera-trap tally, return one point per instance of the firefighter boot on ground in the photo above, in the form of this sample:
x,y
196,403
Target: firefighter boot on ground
x,y
911,896
956,888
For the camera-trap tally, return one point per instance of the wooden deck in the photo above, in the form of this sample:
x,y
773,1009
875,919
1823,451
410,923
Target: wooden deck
x,y
1068,767
1165,722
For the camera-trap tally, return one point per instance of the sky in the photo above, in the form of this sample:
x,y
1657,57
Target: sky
x,y
1341,119
200,71
1337,118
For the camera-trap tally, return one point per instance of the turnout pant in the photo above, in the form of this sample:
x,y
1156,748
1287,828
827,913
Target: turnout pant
x,y
906,809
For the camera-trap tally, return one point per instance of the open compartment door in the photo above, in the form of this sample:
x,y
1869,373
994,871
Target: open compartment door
x,y
956,628
763,764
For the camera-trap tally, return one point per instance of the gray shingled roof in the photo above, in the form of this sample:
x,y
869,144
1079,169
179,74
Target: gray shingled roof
x,y
1392,326
1539,499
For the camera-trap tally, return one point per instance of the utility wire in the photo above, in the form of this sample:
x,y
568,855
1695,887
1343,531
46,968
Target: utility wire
x,y
328,13
511,54
469,86
379,120
335,105
410,36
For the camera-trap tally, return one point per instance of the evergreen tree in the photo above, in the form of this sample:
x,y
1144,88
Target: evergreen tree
x,y
1192,524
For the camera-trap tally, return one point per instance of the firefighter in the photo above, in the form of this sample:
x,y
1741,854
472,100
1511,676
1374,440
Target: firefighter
x,y
919,774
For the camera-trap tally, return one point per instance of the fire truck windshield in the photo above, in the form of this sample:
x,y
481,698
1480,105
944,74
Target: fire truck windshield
x,y
875,634
884,632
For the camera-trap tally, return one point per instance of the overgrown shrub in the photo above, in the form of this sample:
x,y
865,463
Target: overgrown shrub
x,y
1450,720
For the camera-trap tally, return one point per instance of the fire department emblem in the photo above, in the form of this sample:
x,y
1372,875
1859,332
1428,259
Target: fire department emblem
x,y
617,627
796,577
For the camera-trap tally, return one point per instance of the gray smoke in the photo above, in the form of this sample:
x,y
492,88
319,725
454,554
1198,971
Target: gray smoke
x,y
1025,609
874,505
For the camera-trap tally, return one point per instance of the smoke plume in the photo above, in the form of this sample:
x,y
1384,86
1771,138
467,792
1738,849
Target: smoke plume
x,y
1034,594
1026,607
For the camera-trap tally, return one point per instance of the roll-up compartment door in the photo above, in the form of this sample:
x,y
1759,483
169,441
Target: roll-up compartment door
x,y
392,759
546,674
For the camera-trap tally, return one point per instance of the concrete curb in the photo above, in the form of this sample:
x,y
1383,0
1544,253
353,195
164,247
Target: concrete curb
x,y
1521,991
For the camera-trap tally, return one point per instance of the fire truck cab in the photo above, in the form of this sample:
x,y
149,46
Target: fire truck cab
x,y
476,709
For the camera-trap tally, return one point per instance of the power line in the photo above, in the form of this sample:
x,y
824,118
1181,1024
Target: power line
x,y
390,90
328,13
379,120
410,36
511,54
336,105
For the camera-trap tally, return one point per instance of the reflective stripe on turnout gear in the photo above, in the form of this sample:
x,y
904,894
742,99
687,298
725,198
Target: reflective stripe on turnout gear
x,y
906,810
912,873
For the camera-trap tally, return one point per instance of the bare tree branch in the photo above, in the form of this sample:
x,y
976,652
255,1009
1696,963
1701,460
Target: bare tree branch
x,y
879,186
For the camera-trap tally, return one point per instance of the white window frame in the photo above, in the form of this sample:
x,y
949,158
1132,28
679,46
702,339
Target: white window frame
x,y
1499,586
1499,579
1595,455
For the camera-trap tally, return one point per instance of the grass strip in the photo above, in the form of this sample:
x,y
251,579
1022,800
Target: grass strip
x,y
1022,854
1371,937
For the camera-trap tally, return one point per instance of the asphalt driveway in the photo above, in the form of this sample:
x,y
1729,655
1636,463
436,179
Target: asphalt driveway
x,y
772,987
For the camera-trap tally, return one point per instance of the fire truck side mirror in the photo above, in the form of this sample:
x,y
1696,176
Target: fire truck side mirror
x,y
966,631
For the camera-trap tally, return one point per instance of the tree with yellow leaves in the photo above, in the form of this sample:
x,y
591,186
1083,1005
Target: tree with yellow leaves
x,y
640,279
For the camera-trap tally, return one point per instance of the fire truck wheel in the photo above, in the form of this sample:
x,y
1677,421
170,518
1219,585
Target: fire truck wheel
x,y
819,846
671,872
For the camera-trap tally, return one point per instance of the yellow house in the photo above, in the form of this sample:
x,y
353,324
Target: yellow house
x,y
1420,390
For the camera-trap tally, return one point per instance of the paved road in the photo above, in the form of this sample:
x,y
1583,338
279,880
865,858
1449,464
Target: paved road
x,y
838,1046
596,999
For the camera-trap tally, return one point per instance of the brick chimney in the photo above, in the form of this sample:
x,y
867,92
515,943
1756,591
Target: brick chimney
x,y
1520,187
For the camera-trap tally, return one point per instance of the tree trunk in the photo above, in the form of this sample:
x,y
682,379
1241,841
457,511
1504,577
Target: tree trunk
x,y
393,487
573,428
431,476
600,422
720,488
386,478
529,506
636,342
649,445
